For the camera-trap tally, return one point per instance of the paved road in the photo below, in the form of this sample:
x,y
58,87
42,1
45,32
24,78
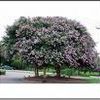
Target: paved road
x,y
15,76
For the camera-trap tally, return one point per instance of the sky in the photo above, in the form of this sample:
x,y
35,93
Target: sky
x,y
86,12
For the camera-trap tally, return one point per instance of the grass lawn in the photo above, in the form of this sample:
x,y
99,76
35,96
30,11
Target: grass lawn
x,y
93,80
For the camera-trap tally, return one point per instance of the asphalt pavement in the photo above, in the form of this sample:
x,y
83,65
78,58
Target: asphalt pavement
x,y
16,76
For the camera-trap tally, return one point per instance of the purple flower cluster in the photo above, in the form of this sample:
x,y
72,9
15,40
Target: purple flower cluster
x,y
56,41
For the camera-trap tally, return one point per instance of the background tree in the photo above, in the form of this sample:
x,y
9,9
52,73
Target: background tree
x,y
55,41
3,53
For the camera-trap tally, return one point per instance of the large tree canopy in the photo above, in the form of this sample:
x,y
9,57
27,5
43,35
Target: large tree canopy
x,y
55,41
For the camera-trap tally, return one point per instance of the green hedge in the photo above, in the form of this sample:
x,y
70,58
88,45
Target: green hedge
x,y
2,72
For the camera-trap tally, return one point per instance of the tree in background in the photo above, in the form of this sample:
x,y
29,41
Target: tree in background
x,y
8,42
55,41
3,53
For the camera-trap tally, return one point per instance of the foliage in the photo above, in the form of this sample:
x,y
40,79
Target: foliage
x,y
2,72
3,53
18,63
56,41
68,71
75,72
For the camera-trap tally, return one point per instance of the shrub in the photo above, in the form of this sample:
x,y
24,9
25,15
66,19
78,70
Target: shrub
x,y
2,72
68,71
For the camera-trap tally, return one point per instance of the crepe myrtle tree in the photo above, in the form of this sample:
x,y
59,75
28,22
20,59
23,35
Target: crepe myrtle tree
x,y
55,41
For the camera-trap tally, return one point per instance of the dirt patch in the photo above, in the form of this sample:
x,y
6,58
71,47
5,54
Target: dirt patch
x,y
50,79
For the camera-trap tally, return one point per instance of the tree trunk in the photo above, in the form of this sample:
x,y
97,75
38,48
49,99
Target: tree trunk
x,y
69,76
58,71
44,72
36,72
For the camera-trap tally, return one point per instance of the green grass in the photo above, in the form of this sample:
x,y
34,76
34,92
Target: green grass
x,y
93,80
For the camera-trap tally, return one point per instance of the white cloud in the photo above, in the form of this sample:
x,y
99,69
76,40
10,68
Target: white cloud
x,y
88,13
